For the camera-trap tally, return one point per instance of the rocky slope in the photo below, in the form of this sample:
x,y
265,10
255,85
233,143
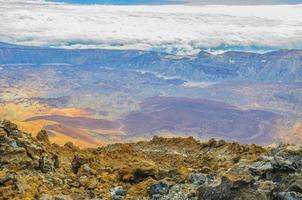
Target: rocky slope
x,y
164,169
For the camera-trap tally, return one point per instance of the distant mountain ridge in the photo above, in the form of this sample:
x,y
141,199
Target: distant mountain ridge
x,y
281,65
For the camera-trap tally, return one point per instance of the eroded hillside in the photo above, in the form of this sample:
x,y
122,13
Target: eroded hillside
x,y
176,168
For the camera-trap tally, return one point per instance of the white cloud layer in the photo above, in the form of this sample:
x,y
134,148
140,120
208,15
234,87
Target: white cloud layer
x,y
184,28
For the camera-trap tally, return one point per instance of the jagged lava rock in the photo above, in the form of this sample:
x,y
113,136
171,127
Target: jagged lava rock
x,y
163,168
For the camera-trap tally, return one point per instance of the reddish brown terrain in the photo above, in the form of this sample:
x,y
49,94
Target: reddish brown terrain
x,y
205,118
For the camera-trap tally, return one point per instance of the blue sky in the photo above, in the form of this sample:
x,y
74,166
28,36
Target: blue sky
x,y
119,2
222,2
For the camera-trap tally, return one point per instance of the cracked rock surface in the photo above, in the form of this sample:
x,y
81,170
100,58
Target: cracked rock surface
x,y
160,169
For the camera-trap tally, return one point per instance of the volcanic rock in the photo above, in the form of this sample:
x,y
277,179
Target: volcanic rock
x,y
42,136
162,169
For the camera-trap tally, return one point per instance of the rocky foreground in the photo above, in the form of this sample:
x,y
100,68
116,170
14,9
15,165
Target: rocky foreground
x,y
163,169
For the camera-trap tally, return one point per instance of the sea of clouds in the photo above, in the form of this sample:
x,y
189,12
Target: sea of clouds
x,y
180,29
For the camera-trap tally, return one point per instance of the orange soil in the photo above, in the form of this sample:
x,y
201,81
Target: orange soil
x,y
292,135
19,112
